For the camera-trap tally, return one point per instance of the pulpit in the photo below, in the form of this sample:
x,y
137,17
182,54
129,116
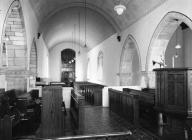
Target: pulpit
x,y
173,99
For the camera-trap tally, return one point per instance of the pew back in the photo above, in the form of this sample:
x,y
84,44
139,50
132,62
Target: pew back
x,y
126,105
5,128
91,91
52,116
136,106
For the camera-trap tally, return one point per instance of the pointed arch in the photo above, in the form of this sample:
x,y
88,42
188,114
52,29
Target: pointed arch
x,y
130,63
33,58
160,39
163,34
14,53
14,37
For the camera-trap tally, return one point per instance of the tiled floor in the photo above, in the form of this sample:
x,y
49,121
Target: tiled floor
x,y
99,120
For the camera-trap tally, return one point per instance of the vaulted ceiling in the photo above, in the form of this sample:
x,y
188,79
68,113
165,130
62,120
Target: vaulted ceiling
x,y
135,9
57,25
47,10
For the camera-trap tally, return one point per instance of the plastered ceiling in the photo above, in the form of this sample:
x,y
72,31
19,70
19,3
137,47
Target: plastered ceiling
x,y
135,9
47,10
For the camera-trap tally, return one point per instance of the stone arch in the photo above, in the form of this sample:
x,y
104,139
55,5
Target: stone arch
x,y
163,34
130,64
33,59
100,65
14,54
14,36
160,39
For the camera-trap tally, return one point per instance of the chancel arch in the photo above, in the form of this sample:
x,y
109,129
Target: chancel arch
x,y
129,63
173,29
14,49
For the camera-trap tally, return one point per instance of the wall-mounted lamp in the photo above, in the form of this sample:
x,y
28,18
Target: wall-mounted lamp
x,y
160,63
6,38
38,35
119,38
4,50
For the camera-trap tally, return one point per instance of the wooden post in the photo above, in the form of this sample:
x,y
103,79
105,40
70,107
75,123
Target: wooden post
x,y
52,116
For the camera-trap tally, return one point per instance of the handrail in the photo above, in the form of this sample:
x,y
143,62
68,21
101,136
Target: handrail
x,y
96,136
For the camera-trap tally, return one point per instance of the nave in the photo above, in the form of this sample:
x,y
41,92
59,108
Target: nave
x,y
103,69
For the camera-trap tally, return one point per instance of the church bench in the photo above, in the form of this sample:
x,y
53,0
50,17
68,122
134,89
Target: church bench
x,y
5,128
136,106
91,91
74,110
147,116
126,105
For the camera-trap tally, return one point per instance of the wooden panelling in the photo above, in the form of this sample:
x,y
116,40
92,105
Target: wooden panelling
x,y
172,93
174,99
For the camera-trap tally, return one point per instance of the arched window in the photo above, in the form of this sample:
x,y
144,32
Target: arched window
x,y
100,66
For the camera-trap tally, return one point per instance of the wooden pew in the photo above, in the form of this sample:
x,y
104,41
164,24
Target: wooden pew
x,y
91,91
147,116
77,102
5,128
126,105
134,105
52,115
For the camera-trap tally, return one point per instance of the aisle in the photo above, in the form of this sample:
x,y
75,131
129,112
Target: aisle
x,y
99,120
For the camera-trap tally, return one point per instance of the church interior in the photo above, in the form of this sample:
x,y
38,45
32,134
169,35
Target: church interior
x,y
96,69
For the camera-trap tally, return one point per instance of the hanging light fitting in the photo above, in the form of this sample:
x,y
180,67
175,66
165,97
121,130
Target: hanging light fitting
x,y
119,9
178,46
120,6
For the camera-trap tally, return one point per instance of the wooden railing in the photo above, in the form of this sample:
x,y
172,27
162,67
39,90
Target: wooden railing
x,y
123,135
106,136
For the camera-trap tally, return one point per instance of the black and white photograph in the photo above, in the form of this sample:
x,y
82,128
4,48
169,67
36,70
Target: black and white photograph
x,y
95,69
